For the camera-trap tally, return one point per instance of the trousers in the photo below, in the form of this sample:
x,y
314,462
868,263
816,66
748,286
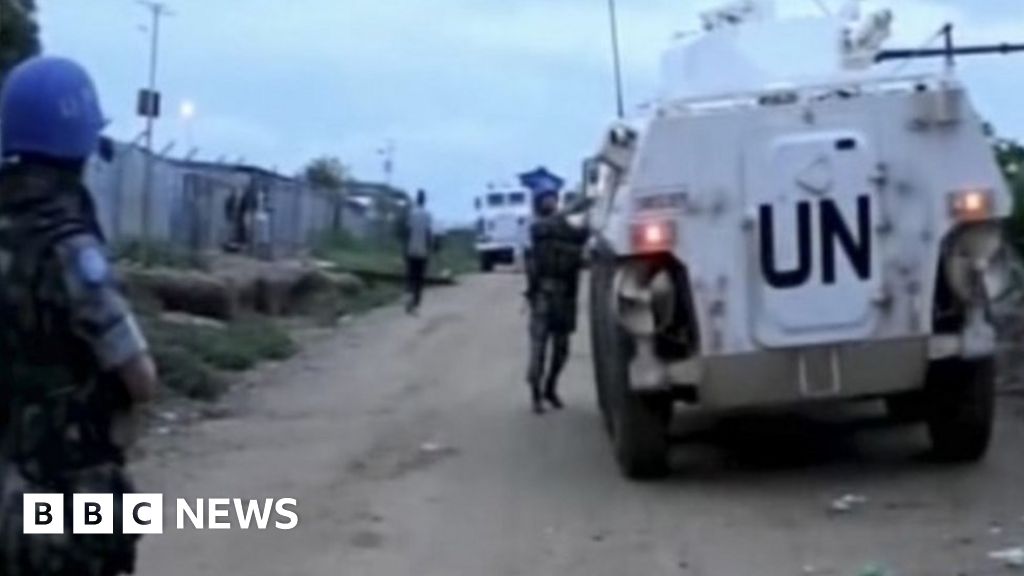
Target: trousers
x,y
416,271
548,331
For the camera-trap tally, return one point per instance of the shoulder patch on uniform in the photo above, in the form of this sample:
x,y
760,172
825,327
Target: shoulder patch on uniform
x,y
91,265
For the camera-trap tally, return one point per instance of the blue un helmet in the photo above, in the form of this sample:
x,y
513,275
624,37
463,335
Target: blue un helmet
x,y
49,106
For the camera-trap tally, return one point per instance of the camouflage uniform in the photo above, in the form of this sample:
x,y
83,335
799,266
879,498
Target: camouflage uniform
x,y
553,270
63,327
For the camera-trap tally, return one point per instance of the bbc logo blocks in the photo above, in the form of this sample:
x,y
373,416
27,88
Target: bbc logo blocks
x,y
93,514
143,513
43,513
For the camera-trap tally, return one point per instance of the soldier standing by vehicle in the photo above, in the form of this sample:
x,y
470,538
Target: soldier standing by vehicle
x,y
74,366
553,265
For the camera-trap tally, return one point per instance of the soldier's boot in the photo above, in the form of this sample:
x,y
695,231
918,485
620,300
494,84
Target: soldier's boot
x,y
537,398
551,395
538,359
559,357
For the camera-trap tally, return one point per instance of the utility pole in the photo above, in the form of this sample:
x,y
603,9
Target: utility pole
x,y
616,59
149,106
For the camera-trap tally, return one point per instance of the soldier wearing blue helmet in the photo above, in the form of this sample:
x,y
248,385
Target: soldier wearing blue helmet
x,y
553,267
73,364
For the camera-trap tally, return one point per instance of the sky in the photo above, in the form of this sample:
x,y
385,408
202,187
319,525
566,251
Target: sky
x,y
469,91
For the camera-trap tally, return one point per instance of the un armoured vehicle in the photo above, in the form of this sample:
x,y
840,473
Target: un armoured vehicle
x,y
774,238
502,226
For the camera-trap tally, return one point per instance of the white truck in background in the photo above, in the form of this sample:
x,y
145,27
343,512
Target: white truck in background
x,y
502,226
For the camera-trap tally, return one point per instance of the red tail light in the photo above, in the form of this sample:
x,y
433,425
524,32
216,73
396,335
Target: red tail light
x,y
971,205
654,236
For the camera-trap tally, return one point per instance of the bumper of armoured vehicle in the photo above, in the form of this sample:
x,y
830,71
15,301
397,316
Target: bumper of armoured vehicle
x,y
497,249
799,375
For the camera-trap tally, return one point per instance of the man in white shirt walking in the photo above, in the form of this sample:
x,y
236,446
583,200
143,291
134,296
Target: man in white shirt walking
x,y
418,242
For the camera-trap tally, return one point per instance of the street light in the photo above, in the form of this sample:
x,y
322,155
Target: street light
x,y
149,106
187,111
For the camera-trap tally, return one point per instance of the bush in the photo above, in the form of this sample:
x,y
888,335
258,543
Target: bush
x,y
184,373
190,357
238,346
1010,155
457,253
349,253
1015,226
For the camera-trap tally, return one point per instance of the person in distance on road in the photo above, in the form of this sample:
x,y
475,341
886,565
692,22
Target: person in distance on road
x,y
74,366
553,267
418,239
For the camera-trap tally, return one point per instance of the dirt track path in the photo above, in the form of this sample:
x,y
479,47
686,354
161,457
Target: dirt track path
x,y
409,447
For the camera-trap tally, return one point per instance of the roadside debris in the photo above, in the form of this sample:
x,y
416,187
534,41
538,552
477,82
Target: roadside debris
x,y
1012,557
847,503
960,540
435,448
168,416
430,453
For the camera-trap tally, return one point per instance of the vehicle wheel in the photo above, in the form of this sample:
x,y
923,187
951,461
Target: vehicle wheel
x,y
639,422
961,408
907,407
640,433
486,263
600,330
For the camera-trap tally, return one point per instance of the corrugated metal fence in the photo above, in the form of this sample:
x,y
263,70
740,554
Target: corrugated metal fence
x,y
196,205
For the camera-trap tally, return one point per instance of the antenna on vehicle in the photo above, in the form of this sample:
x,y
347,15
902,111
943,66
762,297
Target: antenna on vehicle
x,y
950,51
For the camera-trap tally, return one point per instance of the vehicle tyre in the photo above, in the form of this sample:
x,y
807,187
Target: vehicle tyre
x,y
600,331
639,422
907,407
640,432
486,263
961,408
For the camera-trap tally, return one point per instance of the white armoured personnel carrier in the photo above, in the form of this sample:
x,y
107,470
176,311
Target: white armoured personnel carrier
x,y
772,237
502,226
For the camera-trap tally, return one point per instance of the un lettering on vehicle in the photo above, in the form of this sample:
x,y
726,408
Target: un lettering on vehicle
x,y
817,270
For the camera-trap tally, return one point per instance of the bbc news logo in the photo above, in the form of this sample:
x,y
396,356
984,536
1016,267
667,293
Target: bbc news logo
x,y
144,514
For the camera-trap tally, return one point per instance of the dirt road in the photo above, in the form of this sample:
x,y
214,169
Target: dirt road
x,y
410,449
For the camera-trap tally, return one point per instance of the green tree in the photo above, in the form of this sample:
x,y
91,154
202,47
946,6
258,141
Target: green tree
x,y
327,172
1010,154
19,33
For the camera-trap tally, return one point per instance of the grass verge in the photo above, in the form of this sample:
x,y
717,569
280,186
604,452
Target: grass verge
x,y
193,358
351,254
